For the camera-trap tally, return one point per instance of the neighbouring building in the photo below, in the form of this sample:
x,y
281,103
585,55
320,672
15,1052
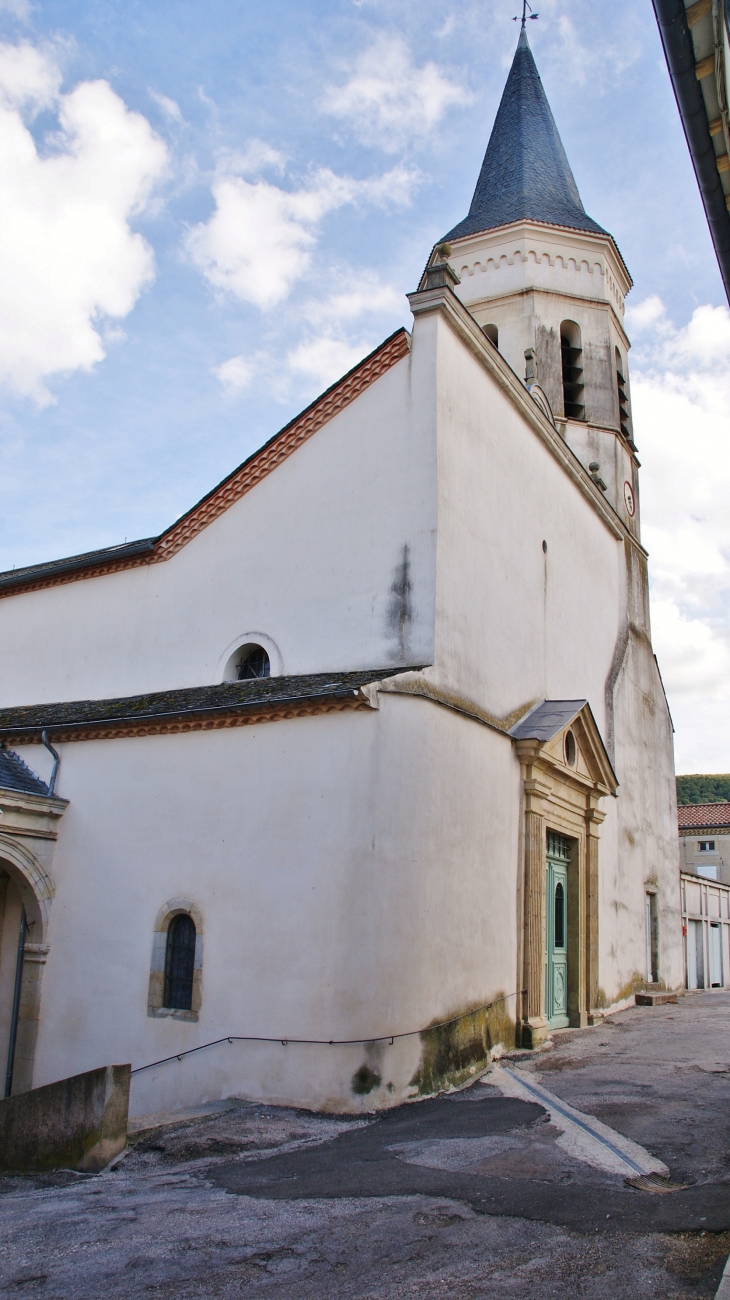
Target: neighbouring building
x,y
704,852
694,34
366,768
706,932
704,840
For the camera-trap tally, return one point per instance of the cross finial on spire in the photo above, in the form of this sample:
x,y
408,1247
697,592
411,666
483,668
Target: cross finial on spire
x,y
523,21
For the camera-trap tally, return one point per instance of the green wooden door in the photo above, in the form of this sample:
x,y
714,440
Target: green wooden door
x,y
556,945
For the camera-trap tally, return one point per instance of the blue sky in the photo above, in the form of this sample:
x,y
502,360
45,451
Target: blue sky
x,y
213,210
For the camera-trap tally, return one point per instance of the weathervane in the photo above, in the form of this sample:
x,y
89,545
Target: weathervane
x,y
525,15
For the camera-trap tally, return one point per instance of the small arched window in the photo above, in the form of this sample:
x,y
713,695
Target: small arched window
x,y
492,334
559,915
180,963
254,662
571,355
624,418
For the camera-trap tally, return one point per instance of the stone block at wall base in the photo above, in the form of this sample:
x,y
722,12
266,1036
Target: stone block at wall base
x,y
654,999
77,1123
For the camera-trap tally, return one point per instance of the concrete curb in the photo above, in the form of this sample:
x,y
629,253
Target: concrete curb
x,y
723,1291
582,1136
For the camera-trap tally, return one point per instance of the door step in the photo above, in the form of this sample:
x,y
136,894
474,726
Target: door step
x,y
654,999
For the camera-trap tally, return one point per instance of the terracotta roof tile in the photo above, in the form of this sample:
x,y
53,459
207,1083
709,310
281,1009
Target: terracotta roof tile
x,y
702,816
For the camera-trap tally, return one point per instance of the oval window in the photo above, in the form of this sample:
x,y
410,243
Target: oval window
x,y
570,749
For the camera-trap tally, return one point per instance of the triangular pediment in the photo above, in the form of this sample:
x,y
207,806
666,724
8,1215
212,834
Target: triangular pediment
x,y
569,741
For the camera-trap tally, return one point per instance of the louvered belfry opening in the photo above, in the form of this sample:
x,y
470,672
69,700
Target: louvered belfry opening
x,y
623,400
571,352
180,963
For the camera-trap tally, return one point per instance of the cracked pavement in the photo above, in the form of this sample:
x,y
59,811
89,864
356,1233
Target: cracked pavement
x,y
465,1196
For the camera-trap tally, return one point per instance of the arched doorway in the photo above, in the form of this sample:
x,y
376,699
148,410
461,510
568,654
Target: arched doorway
x,y
25,894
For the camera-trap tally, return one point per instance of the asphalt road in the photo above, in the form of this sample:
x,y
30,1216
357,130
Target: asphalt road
x,y
468,1196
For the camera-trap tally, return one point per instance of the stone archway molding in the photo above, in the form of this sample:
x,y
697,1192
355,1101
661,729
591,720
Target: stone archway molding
x,y
35,885
36,891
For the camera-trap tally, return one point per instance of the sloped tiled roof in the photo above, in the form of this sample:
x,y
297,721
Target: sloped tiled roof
x,y
546,719
273,695
703,816
16,775
525,174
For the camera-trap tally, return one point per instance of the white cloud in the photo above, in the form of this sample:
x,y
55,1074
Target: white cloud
x,y
356,296
68,257
695,661
642,315
259,240
326,359
257,157
28,77
390,103
168,106
582,61
18,8
681,408
235,374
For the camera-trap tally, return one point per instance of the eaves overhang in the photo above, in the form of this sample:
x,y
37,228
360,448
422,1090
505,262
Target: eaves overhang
x,y
676,37
228,704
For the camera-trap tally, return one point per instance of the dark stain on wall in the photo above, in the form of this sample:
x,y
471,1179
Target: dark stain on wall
x,y
365,1080
452,1054
400,611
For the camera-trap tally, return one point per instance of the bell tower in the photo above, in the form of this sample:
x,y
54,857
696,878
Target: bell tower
x,y
547,284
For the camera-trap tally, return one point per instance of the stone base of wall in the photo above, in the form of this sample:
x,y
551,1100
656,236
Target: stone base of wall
x,y
77,1123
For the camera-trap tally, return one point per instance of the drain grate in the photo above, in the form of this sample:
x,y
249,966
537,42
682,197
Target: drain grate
x,y
654,1183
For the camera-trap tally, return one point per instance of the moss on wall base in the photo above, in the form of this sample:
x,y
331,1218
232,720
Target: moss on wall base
x,y
451,1054
637,984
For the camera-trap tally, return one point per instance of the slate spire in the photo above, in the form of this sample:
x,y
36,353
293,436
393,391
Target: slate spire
x,y
525,173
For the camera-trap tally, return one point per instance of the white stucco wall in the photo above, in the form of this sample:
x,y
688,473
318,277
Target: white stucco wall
x,y
308,557
515,623
356,875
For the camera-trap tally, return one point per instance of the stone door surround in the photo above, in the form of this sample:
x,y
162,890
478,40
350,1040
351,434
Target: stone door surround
x,y
564,779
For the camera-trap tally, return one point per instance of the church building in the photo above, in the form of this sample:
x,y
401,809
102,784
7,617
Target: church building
x,y
362,770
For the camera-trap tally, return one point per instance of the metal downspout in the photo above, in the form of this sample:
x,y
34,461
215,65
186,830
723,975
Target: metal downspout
x,y
56,761
16,1005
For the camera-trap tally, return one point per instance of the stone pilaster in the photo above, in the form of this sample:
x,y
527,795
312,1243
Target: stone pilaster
x,y
534,1028
594,817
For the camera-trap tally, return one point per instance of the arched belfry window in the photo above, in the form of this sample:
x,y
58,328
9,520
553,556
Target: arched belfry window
x,y
492,334
253,662
571,355
180,963
624,417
